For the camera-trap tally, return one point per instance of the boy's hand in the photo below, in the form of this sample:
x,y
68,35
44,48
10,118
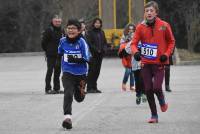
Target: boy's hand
x,y
71,59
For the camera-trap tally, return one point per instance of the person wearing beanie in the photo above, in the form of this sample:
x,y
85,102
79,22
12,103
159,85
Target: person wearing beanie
x,y
50,40
157,45
98,46
75,55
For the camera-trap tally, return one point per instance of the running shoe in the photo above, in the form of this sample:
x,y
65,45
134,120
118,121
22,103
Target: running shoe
x,y
144,98
164,107
153,120
67,123
138,100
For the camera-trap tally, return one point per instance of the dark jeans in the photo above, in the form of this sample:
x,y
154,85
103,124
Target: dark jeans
x,y
94,71
70,84
139,85
53,67
153,76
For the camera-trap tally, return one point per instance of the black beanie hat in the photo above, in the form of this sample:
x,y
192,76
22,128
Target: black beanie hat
x,y
74,22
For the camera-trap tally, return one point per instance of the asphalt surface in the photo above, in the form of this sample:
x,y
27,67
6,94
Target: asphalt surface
x,y
25,109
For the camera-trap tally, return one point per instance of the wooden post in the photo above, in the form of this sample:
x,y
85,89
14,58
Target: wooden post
x,y
100,8
114,14
129,11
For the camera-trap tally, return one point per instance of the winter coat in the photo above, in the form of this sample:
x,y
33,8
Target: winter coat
x,y
156,41
97,41
50,40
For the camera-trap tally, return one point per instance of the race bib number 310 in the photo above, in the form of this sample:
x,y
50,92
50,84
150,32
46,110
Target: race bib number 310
x,y
149,51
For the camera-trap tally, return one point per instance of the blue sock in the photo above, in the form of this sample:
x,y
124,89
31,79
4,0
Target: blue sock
x,y
154,116
161,101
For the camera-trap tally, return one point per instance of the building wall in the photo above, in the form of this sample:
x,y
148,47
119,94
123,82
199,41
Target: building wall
x,y
137,11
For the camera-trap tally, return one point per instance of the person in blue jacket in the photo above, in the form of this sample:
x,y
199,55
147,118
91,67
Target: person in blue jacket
x,y
75,57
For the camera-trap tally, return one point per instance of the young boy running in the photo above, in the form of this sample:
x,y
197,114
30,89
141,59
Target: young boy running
x,y
75,55
157,45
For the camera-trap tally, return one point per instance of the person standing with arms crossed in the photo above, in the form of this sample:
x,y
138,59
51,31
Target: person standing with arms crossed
x,y
157,45
50,41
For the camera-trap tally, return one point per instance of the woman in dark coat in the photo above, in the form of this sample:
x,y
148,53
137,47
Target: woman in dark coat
x,y
98,45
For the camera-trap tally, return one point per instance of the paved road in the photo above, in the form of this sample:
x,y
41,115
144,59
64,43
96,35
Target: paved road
x,y
25,109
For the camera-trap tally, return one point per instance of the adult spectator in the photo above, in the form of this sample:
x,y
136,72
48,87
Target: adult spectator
x,y
98,45
50,41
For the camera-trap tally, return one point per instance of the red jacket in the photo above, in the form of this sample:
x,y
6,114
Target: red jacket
x,y
126,61
159,40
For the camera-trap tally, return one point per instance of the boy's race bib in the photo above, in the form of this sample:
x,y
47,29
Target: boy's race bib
x,y
149,51
66,56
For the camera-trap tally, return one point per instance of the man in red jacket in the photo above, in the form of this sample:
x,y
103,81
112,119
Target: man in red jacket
x,y
157,45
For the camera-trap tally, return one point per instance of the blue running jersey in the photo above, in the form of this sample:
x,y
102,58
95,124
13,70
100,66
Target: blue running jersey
x,y
79,49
